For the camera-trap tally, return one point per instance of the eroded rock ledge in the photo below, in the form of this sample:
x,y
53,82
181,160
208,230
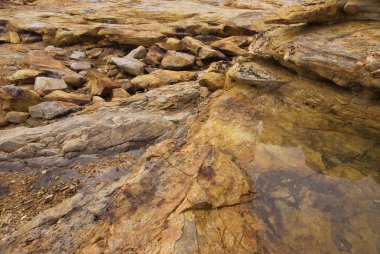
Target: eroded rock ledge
x,y
190,127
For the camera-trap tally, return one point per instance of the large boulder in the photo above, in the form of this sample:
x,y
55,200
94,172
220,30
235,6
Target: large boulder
x,y
44,85
51,109
129,65
177,61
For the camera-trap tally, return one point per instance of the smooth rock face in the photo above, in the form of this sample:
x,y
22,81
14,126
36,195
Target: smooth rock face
x,y
232,45
129,65
51,109
177,61
74,79
78,55
202,50
45,85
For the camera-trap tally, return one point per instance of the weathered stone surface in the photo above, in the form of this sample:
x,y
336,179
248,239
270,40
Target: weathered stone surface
x,y
138,53
58,95
129,65
161,78
327,51
202,50
177,61
17,99
3,122
44,85
51,109
14,38
16,117
100,84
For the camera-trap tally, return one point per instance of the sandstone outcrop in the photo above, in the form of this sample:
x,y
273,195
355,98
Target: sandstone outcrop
x,y
267,143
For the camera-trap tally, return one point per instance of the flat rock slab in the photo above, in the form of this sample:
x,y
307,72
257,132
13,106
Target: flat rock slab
x,y
51,109
177,61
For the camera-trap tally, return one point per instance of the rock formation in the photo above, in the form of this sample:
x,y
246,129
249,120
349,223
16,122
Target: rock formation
x,y
197,126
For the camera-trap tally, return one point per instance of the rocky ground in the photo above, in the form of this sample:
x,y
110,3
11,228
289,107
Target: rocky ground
x,y
210,126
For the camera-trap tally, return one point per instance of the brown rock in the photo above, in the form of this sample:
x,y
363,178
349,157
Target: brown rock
x,y
161,78
120,93
172,44
129,65
57,95
177,61
202,50
3,122
25,76
100,84
16,117
17,99
154,55
232,45
14,38
138,53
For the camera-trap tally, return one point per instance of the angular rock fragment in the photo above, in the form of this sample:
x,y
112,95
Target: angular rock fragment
x,y
52,109
14,98
129,65
161,78
138,53
120,93
74,79
100,84
232,45
16,117
58,95
202,50
177,61
154,55
44,85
